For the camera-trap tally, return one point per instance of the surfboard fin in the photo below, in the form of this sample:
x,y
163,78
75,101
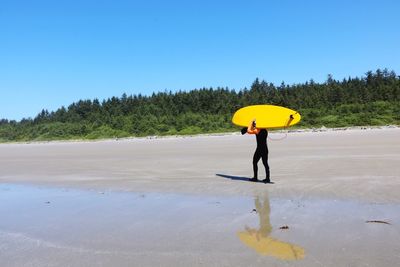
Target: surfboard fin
x,y
244,130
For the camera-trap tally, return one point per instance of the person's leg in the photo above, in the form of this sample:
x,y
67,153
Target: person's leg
x,y
256,158
264,157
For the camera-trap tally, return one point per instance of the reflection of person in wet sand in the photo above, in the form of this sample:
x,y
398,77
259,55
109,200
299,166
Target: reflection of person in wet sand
x,y
260,239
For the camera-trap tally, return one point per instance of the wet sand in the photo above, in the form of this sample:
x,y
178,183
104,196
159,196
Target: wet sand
x,y
44,226
186,201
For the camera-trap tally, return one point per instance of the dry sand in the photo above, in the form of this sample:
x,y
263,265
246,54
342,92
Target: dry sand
x,y
185,201
356,164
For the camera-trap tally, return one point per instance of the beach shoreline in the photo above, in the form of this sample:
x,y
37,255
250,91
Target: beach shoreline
x,y
188,201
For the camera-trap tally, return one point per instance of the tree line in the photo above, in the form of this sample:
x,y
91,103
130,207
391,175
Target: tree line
x,y
373,99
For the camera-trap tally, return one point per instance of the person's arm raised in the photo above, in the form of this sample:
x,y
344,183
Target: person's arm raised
x,y
251,129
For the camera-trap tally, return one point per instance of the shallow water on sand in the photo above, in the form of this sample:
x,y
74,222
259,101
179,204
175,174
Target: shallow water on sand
x,y
43,226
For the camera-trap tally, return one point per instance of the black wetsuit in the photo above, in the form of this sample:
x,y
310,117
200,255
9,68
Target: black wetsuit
x,y
261,152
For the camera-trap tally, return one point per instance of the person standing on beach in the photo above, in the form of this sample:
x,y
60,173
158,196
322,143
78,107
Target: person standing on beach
x,y
261,151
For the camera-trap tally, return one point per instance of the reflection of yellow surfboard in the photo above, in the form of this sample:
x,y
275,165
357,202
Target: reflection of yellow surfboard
x,y
266,116
269,246
260,239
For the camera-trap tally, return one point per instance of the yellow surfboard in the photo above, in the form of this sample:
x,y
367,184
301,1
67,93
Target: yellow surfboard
x,y
266,116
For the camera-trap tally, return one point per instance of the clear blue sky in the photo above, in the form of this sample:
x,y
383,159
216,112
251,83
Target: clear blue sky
x,y
53,53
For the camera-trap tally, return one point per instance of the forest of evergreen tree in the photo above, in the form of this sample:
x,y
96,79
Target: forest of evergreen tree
x,y
373,99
